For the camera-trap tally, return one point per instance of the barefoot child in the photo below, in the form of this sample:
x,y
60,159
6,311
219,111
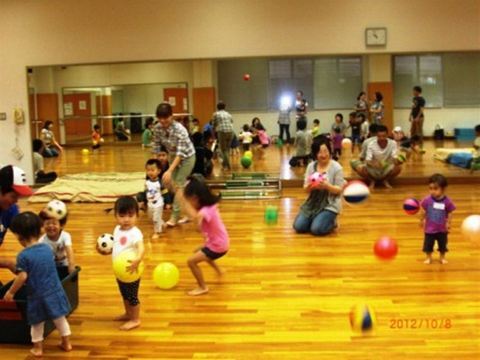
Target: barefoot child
x,y
36,268
59,241
436,218
201,205
128,237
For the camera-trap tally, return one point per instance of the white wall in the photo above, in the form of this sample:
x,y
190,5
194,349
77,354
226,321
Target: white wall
x,y
85,32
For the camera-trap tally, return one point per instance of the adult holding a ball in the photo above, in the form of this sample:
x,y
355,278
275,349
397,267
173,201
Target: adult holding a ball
x,y
13,184
181,152
318,214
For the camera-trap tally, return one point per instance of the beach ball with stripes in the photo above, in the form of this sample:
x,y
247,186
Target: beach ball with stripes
x,y
356,192
411,206
362,318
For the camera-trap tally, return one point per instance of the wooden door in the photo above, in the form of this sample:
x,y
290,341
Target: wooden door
x,y
104,107
47,109
386,88
80,105
203,104
178,98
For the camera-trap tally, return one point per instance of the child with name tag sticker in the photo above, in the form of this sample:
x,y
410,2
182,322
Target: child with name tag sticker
x,y
436,217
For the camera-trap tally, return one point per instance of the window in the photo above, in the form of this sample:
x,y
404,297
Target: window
x,y
461,79
337,82
239,94
286,77
422,70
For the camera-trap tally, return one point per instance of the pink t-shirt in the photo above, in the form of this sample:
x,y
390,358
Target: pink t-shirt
x,y
216,237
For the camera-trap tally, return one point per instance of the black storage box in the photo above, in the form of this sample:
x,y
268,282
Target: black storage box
x,y
14,326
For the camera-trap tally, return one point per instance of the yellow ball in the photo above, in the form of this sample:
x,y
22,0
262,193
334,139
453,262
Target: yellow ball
x,y
166,275
362,318
248,154
85,151
120,264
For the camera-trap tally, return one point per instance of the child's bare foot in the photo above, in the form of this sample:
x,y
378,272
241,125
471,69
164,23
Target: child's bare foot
x,y
197,291
443,261
155,236
130,325
123,317
387,184
428,261
36,352
372,185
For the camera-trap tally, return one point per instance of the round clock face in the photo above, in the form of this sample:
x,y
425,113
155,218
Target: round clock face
x,y
376,36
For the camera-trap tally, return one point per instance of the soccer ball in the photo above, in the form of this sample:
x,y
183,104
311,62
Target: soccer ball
x,y
56,209
105,244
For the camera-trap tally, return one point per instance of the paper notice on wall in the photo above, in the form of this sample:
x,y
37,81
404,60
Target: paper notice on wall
x,y
68,109
185,104
82,105
172,100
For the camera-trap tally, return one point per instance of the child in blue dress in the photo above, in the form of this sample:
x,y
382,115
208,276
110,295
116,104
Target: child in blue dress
x,y
36,268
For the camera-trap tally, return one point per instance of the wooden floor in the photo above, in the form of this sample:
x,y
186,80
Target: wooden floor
x,y
284,296
117,156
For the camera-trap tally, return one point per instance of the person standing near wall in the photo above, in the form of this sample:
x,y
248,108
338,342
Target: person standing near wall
x,y
301,106
174,137
377,109
417,114
361,107
223,124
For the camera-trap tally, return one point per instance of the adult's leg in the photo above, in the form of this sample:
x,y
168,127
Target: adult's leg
x,y
360,168
420,131
224,145
179,178
323,223
282,128
302,223
287,130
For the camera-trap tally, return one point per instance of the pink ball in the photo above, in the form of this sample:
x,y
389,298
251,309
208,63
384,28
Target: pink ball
x,y
411,206
385,248
246,77
316,178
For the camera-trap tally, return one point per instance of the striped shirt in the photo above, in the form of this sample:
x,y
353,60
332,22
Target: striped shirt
x,y
175,139
223,121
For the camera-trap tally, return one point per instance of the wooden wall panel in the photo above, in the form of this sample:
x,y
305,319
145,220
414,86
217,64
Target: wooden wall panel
x,y
47,108
204,103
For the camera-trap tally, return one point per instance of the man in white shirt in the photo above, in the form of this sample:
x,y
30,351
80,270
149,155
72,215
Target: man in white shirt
x,y
381,162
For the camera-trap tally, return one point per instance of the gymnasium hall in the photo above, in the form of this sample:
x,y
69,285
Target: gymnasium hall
x,y
240,179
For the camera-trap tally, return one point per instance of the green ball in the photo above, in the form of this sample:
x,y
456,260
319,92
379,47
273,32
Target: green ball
x,y
271,215
279,142
246,162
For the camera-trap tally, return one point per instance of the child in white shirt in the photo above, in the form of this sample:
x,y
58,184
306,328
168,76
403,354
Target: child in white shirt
x,y
246,137
153,192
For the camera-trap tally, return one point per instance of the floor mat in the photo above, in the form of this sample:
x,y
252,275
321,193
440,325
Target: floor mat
x,y
91,187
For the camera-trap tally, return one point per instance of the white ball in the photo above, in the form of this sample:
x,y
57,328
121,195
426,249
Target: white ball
x,y
102,140
105,244
127,131
471,228
346,143
56,209
356,192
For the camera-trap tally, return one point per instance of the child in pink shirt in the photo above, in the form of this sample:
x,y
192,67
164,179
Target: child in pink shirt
x,y
201,205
